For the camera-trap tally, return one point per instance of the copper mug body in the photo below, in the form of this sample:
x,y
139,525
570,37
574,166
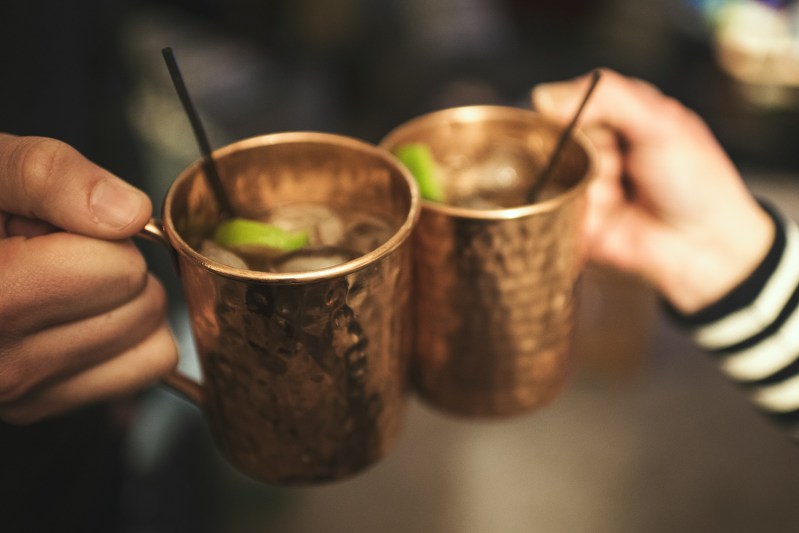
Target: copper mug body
x,y
303,374
495,290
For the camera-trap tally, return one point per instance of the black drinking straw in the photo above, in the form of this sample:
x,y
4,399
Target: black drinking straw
x,y
546,173
225,209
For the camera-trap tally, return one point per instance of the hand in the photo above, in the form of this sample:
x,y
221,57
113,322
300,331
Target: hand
x,y
81,320
667,203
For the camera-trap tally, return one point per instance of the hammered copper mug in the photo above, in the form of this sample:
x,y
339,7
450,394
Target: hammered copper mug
x,y
303,374
495,290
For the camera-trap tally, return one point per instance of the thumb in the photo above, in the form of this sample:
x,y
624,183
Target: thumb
x,y
48,180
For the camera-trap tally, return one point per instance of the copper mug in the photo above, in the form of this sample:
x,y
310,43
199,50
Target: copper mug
x,y
495,290
303,374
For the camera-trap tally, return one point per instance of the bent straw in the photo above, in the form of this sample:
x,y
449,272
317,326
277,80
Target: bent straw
x,y
546,173
211,173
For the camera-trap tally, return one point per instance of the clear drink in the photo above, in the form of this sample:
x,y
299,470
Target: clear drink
x,y
495,279
501,174
334,236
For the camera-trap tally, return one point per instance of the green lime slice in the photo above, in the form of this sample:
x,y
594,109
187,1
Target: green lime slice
x,y
419,160
245,232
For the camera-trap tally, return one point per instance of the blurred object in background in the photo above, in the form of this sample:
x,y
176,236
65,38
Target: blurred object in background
x,y
757,44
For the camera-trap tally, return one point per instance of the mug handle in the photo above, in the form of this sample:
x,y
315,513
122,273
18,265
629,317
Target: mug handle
x,y
177,381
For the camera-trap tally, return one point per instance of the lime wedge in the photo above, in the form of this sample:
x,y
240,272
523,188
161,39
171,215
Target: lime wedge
x,y
245,232
419,160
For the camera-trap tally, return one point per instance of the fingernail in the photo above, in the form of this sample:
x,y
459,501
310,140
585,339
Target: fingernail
x,y
115,204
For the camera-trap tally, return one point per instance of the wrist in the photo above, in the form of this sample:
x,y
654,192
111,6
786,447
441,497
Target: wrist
x,y
716,263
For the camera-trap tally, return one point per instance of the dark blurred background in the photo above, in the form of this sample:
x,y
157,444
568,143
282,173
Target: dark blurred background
x,y
85,71
648,438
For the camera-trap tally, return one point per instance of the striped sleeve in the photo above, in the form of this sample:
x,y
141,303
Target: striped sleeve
x,y
753,332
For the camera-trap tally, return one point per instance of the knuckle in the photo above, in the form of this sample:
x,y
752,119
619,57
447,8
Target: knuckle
x,y
134,272
673,112
35,161
167,360
13,383
674,116
163,353
158,298
673,109
606,72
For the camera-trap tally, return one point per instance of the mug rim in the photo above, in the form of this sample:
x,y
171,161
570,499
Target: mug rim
x,y
479,113
398,237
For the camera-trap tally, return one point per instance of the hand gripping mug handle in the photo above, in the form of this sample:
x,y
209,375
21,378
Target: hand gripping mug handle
x,y
177,381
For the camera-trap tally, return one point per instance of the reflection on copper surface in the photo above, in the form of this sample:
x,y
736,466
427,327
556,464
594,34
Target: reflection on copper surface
x,y
494,290
304,373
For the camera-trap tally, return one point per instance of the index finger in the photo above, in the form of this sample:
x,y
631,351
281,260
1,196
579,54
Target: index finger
x,y
637,110
61,277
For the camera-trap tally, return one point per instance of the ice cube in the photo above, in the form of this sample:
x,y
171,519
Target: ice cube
x,y
499,176
258,257
312,258
365,233
220,254
324,226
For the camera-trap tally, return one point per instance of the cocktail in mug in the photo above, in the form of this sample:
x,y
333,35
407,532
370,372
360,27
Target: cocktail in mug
x,y
495,276
303,344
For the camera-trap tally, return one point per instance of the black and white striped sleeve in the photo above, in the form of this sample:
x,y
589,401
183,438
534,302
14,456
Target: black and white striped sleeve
x,y
753,332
